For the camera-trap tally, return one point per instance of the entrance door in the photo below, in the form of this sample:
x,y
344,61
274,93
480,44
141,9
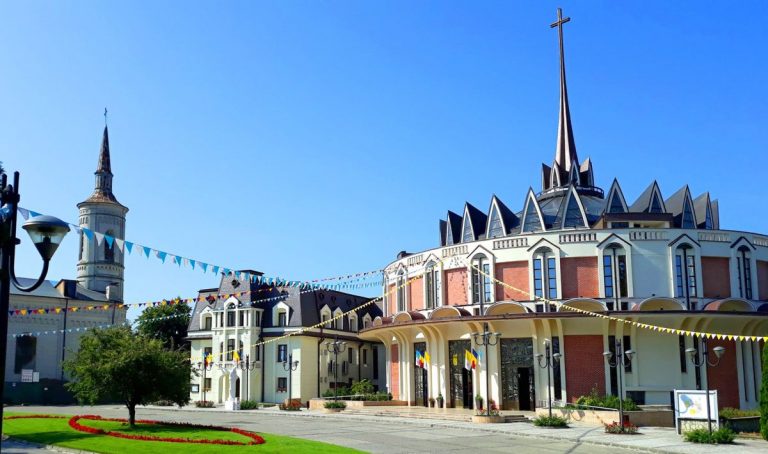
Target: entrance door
x,y
421,386
517,378
461,378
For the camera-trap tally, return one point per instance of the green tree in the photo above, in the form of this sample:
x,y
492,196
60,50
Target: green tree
x,y
764,397
119,364
167,323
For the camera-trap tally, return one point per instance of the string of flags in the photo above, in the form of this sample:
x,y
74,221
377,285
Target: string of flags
x,y
130,247
173,301
85,328
660,329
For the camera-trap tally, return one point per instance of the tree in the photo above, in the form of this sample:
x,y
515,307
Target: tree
x,y
167,323
764,396
120,364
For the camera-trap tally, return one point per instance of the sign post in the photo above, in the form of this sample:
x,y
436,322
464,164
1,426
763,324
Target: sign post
x,y
691,405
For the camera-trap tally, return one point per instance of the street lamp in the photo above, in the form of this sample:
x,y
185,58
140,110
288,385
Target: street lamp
x,y
618,361
335,347
487,338
46,233
289,367
704,361
547,361
247,366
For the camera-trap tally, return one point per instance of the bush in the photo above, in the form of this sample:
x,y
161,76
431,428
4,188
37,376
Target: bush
x,y
292,405
728,413
249,405
720,436
593,399
615,428
327,393
335,404
363,386
204,404
546,421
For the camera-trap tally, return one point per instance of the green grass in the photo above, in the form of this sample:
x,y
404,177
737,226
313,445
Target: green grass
x,y
57,432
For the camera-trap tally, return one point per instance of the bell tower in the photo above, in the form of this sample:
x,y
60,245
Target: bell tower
x,y
100,263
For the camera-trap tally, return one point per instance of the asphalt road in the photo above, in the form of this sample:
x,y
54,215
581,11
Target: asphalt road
x,y
370,435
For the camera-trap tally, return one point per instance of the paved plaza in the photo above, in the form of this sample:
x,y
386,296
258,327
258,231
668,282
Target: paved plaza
x,y
383,434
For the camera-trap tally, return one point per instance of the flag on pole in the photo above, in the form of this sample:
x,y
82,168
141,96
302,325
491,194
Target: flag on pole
x,y
419,360
236,357
476,356
427,359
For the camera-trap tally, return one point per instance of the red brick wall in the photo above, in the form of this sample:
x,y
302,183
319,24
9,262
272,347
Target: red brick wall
x,y
762,280
579,275
456,287
584,367
416,294
392,299
716,275
724,377
516,275
394,385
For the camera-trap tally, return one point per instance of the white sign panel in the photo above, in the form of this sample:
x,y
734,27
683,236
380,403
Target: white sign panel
x,y
692,405
36,377
27,375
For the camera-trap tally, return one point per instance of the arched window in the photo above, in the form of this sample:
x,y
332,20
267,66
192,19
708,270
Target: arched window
x,y
82,245
231,315
282,317
432,284
109,249
495,228
481,282
544,274
615,274
353,323
685,273
744,262
400,291
339,321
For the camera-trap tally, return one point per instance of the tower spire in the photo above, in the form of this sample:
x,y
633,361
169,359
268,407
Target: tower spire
x,y
565,154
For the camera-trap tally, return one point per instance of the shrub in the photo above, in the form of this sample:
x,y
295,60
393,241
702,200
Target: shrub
x,y
249,405
327,393
593,399
616,428
547,421
204,404
720,436
363,386
335,404
292,405
764,397
728,413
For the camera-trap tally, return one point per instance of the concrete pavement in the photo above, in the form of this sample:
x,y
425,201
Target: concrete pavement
x,y
381,434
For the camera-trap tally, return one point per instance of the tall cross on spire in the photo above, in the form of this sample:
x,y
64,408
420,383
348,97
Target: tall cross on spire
x,y
105,116
565,154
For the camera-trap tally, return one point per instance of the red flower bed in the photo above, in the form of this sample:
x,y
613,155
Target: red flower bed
x,y
34,417
74,423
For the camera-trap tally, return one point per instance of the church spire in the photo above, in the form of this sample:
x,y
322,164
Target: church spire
x,y
104,163
565,154
102,191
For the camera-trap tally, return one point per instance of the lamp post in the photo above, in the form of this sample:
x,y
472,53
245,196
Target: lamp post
x,y
247,366
704,361
46,233
289,367
335,347
487,338
546,361
618,361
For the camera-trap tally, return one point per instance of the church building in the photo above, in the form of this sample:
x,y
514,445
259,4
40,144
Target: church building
x,y
574,269
45,325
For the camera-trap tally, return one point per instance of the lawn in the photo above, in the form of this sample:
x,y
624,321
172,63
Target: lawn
x,y
57,432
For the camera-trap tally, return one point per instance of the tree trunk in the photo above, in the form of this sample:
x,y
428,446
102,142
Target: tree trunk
x,y
131,414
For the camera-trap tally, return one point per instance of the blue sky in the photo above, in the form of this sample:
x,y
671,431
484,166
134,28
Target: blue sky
x,y
310,139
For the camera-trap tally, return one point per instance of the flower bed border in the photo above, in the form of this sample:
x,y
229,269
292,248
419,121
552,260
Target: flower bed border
x,y
73,423
34,417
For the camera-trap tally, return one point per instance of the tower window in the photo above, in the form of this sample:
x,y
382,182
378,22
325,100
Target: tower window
x,y
109,249
685,273
481,282
401,291
744,263
544,274
432,283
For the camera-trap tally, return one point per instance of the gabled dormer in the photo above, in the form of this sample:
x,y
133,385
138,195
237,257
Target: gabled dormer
x,y
532,220
650,201
452,228
616,203
501,220
571,213
472,224
680,205
702,207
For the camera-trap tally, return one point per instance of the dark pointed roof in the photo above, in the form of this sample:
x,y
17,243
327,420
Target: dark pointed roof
x,y
701,205
615,194
508,218
453,223
104,163
478,221
676,204
643,203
